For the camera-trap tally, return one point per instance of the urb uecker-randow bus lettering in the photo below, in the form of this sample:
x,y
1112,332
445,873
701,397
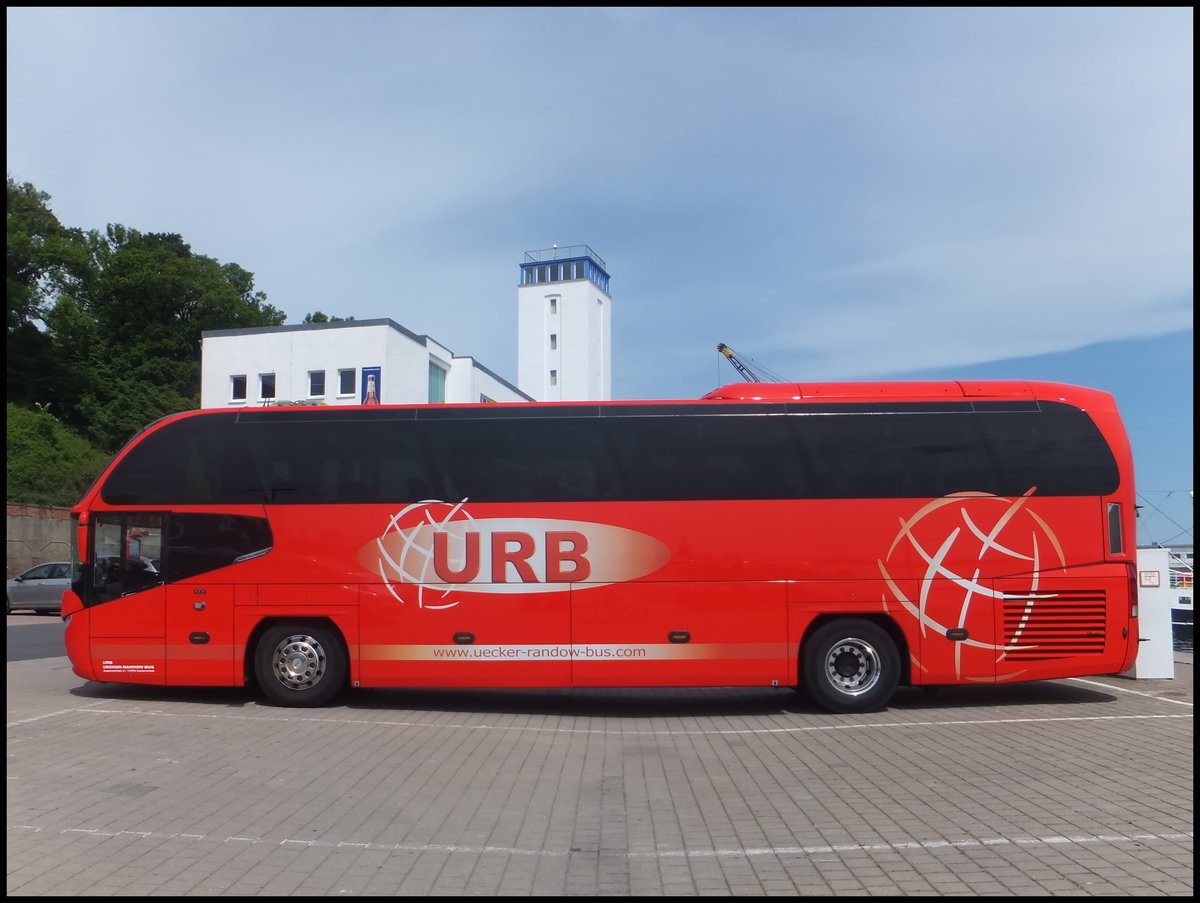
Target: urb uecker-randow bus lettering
x,y
843,538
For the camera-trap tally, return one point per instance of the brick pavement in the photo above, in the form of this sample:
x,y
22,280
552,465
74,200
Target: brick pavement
x,y
1063,787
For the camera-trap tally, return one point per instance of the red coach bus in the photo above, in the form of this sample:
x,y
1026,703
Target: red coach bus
x,y
843,538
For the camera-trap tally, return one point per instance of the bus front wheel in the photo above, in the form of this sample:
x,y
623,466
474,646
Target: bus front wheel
x,y
851,665
299,665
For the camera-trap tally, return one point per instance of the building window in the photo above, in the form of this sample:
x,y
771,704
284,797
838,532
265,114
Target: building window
x,y
554,377
437,384
346,382
553,341
237,387
553,305
316,383
266,386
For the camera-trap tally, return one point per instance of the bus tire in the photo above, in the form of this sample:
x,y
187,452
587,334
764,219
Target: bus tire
x,y
851,665
299,665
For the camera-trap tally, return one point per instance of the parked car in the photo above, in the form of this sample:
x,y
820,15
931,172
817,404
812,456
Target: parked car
x,y
40,588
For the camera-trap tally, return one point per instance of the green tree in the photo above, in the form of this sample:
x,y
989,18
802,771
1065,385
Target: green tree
x,y
319,317
104,328
48,464
43,258
131,333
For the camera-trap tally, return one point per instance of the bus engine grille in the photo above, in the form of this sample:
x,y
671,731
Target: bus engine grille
x,y
1062,624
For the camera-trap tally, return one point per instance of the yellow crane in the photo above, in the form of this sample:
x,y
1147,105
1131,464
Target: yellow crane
x,y
750,371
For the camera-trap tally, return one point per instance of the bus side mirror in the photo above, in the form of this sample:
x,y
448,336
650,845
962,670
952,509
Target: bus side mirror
x,y
71,603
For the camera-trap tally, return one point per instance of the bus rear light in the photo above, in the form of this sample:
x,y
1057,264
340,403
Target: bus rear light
x,y
1131,568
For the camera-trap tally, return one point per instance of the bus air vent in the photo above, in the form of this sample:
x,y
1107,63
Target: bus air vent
x,y
1052,625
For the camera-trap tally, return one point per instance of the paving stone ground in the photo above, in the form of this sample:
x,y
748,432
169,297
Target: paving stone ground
x,y
1072,787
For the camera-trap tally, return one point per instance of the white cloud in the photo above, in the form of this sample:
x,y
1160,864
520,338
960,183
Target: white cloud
x,y
847,190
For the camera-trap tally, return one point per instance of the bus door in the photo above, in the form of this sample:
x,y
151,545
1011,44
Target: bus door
x,y
126,597
200,546
713,633
199,635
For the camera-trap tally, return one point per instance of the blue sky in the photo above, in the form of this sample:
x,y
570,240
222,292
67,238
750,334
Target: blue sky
x,y
835,193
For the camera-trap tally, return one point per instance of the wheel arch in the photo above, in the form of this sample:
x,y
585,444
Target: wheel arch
x,y
886,622
266,624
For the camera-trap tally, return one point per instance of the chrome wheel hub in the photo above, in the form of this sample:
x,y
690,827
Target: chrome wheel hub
x,y
299,662
852,666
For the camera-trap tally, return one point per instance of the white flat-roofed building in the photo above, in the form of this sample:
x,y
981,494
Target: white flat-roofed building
x,y
564,325
348,362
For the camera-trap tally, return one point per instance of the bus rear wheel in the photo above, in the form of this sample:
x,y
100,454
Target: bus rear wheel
x,y
299,665
851,665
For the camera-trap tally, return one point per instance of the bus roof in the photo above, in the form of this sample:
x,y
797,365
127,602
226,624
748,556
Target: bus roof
x,y
901,391
879,390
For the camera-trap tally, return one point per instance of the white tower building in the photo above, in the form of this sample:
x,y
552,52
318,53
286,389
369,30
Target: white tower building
x,y
564,325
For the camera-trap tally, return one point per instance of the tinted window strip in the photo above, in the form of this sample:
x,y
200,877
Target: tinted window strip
x,y
323,458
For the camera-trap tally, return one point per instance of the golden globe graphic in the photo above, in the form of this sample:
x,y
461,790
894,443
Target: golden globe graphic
x,y
436,554
1000,536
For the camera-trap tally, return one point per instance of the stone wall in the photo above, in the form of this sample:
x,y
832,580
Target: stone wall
x,y
36,535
